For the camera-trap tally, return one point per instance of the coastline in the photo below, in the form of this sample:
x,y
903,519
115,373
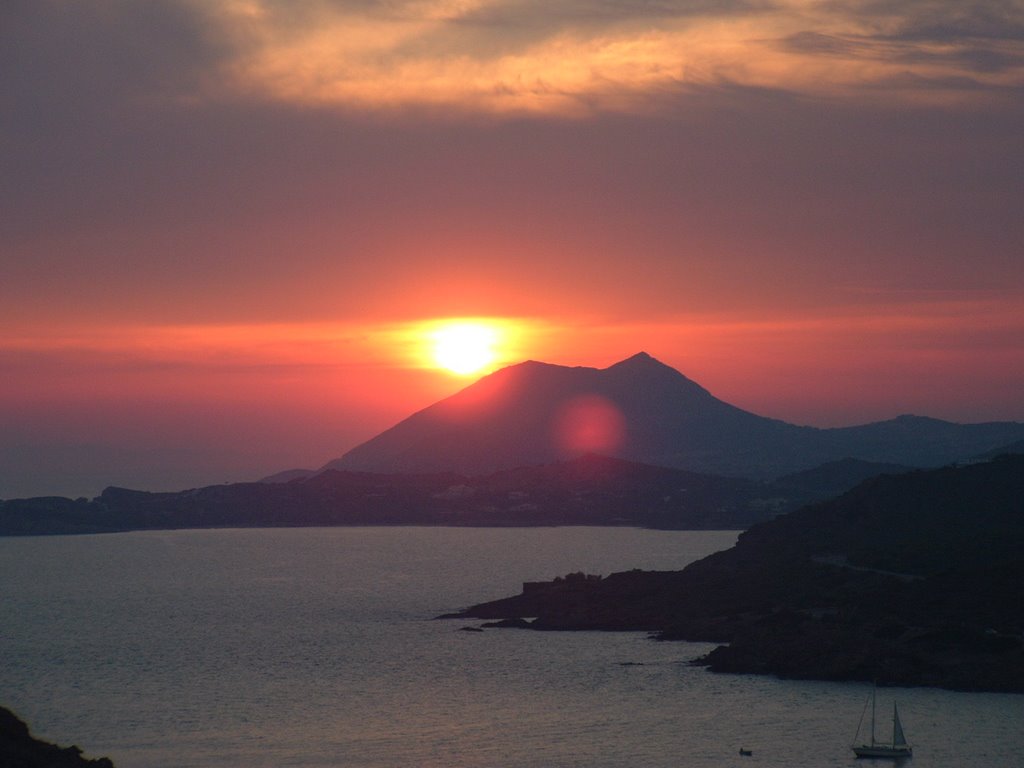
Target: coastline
x,y
818,594
19,749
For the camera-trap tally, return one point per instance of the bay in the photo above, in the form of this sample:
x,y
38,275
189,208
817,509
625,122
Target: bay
x,y
317,647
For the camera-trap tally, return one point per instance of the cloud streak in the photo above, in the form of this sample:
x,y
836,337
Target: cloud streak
x,y
514,56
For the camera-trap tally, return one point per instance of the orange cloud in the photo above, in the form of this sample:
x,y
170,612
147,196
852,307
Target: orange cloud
x,y
499,56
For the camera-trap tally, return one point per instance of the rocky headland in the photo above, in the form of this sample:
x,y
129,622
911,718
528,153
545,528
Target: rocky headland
x,y
911,579
19,749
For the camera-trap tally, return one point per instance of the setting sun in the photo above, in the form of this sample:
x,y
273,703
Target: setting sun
x,y
464,348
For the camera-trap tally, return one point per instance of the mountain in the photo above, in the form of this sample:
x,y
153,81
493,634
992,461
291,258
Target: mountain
x,y
909,579
645,411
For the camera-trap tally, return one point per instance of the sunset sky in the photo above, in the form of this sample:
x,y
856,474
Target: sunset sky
x,y
228,229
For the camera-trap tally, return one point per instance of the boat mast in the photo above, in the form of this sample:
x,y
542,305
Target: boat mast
x,y
873,717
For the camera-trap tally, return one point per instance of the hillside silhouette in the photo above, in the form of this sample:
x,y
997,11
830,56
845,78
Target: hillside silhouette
x,y
589,490
909,579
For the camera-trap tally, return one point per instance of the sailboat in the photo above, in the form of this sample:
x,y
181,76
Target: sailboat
x,y
897,748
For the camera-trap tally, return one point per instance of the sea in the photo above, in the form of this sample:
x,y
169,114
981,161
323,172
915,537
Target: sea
x,y
319,647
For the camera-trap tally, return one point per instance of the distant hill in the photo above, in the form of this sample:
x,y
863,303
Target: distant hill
x,y
520,416
909,579
589,490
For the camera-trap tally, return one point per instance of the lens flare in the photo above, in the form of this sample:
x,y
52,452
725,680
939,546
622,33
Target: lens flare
x,y
590,424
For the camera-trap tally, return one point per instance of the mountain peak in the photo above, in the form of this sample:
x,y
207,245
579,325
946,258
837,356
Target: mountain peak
x,y
641,355
643,370
640,359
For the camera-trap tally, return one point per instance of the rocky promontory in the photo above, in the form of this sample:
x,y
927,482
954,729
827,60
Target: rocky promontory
x,y
910,579
19,749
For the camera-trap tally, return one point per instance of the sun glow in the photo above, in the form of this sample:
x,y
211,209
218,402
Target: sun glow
x,y
464,348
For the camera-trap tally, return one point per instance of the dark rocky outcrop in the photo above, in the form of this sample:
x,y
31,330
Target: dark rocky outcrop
x,y
910,579
19,749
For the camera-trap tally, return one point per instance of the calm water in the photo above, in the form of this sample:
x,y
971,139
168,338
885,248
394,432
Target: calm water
x,y
315,647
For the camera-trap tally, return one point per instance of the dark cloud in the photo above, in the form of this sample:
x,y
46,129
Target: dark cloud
x,y
965,40
584,14
967,59
953,21
970,57
818,43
